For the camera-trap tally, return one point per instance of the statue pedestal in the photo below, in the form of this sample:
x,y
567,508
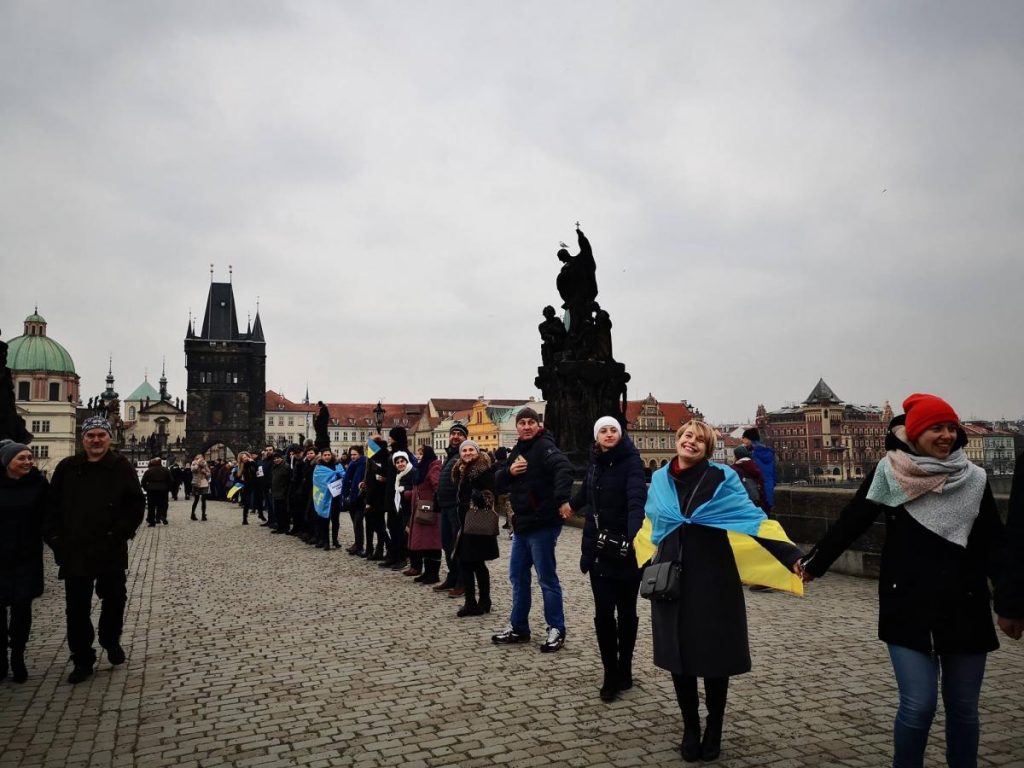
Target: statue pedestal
x,y
578,393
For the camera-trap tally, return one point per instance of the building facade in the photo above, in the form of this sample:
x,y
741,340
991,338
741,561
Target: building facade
x,y
824,440
652,426
46,392
226,386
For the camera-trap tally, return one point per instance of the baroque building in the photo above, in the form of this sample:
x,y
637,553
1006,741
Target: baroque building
x,y
45,390
154,422
823,439
226,387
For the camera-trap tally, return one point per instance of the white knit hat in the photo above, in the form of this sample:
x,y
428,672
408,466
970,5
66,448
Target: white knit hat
x,y
606,421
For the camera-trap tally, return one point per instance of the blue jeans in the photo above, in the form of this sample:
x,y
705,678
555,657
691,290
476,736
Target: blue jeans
x,y
918,676
535,549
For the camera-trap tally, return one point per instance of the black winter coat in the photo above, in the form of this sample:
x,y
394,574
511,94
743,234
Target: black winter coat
x,y
1009,598
22,507
933,594
704,632
379,493
612,498
280,477
446,488
476,479
537,494
93,509
157,480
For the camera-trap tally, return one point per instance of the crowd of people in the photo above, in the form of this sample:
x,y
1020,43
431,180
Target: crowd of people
x,y
687,540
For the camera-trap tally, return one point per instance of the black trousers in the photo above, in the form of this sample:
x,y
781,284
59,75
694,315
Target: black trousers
x,y
475,574
199,496
356,513
111,589
156,506
14,634
282,516
613,596
396,530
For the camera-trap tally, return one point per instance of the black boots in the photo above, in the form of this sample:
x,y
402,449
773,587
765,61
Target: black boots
x,y
19,673
607,643
716,691
627,642
711,744
686,695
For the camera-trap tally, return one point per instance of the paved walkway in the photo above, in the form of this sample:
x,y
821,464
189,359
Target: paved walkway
x,y
247,649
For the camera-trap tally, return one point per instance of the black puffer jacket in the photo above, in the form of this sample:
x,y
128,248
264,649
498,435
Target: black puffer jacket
x,y
537,494
22,506
94,508
446,488
933,594
611,497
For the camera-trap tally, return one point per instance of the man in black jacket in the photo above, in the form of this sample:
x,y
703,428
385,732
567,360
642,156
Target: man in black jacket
x,y
449,508
95,506
539,481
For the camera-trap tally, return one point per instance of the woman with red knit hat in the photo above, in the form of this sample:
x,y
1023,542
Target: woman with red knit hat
x,y
942,543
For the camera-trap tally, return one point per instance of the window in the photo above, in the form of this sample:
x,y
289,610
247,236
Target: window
x,y
270,421
54,391
23,390
291,421
41,451
131,413
40,426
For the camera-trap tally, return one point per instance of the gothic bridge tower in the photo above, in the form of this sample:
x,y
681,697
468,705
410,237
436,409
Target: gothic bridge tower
x,y
226,378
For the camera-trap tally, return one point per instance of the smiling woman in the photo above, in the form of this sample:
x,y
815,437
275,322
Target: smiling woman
x,y
942,544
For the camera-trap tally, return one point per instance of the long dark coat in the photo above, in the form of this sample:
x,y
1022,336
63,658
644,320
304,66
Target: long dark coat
x,y
704,632
477,476
22,506
93,509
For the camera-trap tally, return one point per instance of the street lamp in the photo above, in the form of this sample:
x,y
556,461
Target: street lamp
x,y
378,415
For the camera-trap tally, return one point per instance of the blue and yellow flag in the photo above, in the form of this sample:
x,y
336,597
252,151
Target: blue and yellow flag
x,y
371,448
729,509
233,491
323,476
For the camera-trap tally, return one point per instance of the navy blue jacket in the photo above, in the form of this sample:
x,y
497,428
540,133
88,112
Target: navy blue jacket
x,y
612,498
536,494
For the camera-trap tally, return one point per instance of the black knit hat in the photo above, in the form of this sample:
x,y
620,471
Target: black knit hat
x,y
458,426
398,434
527,413
751,433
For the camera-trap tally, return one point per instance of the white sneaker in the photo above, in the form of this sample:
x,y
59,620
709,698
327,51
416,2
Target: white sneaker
x,y
556,639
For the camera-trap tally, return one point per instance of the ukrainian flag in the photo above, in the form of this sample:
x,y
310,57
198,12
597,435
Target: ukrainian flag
x,y
730,508
234,490
371,448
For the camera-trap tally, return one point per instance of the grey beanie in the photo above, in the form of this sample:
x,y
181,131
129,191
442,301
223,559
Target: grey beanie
x,y
741,452
9,449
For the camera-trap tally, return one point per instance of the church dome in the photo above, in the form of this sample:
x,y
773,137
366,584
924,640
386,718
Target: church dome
x,y
35,351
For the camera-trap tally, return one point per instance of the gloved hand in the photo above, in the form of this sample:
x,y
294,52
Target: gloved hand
x,y
586,563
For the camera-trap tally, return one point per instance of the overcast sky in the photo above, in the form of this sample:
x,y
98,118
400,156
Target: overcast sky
x,y
774,192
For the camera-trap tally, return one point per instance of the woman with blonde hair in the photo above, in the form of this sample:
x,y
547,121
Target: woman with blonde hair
x,y
699,514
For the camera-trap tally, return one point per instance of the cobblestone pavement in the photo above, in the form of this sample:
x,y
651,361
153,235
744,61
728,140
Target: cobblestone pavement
x,y
248,649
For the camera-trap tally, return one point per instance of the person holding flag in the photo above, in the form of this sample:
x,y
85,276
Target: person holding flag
x,y
328,479
699,514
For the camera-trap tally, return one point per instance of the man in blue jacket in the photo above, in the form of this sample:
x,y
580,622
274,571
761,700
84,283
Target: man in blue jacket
x,y
538,479
764,457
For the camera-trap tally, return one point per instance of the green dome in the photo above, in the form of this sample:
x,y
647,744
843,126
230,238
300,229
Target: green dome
x,y
38,353
144,390
35,317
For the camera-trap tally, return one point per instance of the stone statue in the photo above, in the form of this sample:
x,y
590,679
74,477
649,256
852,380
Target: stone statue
x,y
552,336
320,422
579,377
577,282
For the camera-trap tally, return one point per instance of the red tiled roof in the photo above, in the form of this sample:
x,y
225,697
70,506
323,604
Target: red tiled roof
x,y
352,414
676,414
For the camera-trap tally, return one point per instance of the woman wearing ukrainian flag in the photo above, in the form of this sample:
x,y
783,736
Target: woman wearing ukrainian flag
x,y
699,514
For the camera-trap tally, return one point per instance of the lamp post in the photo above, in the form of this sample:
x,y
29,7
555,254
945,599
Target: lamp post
x,y
378,415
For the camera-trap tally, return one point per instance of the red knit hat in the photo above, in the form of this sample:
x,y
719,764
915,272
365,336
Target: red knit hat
x,y
924,411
